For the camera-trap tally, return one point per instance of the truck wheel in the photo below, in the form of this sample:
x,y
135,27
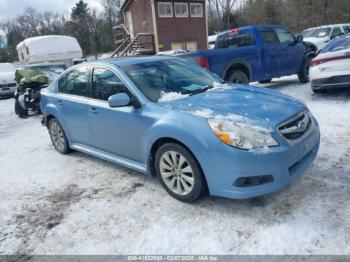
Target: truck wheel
x,y
238,77
266,81
304,72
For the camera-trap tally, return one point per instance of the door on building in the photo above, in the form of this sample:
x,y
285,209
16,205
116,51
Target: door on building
x,y
128,23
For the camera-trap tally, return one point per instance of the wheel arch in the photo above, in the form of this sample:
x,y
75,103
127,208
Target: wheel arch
x,y
164,140
238,64
157,144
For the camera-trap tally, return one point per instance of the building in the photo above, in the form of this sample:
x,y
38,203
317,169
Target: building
x,y
174,24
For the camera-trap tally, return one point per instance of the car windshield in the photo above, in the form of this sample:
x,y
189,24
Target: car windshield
x,y
170,78
57,69
6,67
319,33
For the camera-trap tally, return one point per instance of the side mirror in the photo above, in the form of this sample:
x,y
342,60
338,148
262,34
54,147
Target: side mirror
x,y
119,100
300,38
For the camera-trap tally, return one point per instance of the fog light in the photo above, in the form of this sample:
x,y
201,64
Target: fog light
x,y
253,181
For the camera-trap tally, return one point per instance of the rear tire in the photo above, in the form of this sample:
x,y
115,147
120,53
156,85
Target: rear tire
x,y
238,77
179,172
58,137
304,72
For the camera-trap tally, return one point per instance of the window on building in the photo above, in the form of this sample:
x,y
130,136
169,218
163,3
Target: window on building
x,y
181,9
196,9
165,9
74,82
105,83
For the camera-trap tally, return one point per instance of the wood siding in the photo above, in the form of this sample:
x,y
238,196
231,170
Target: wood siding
x,y
181,30
141,13
171,30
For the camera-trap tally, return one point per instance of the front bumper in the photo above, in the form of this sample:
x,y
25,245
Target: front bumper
x,y
342,81
284,163
6,90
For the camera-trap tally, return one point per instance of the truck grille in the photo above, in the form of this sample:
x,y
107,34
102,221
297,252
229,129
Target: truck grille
x,y
8,85
296,127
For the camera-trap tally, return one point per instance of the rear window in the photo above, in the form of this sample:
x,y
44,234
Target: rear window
x,y
337,46
236,39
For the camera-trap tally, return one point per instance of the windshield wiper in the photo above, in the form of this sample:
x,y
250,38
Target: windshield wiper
x,y
202,90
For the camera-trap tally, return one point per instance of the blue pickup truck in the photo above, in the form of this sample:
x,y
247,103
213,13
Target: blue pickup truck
x,y
256,53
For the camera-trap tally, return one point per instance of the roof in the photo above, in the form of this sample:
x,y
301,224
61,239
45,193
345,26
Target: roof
x,y
50,44
133,60
259,27
326,26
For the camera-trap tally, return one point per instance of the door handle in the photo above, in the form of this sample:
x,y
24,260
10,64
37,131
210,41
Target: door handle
x,y
59,103
93,110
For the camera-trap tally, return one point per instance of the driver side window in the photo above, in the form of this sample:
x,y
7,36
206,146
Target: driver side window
x,y
284,36
106,83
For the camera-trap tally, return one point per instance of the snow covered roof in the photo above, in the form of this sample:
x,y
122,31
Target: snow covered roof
x,y
50,44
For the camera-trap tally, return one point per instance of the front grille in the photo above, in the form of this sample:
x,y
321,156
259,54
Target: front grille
x,y
7,85
296,127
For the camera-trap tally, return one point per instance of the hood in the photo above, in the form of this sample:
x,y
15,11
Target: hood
x,y
319,42
7,77
244,104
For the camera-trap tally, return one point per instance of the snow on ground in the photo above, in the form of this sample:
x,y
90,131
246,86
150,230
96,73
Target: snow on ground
x,y
77,204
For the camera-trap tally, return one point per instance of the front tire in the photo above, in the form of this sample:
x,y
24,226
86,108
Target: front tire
x,y
179,172
58,137
238,77
303,75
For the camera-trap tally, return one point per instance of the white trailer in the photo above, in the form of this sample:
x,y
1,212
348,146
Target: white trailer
x,y
49,50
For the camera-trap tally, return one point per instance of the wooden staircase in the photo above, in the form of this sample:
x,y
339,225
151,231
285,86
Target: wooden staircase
x,y
141,44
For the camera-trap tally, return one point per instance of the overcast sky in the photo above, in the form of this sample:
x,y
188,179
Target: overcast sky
x,y
12,8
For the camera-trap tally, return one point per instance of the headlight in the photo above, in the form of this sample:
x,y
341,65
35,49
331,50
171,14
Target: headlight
x,y
241,136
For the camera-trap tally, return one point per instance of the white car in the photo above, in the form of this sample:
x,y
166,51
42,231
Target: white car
x,y
331,67
211,41
321,35
8,83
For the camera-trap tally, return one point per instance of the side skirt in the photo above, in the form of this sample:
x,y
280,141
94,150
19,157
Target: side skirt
x,y
111,158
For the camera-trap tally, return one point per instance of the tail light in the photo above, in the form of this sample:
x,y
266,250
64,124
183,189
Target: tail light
x,y
316,62
203,62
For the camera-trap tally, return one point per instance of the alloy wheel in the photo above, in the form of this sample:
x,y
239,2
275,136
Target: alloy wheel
x,y
57,136
176,172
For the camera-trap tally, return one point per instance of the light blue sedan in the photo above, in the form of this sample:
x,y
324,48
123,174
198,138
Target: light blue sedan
x,y
169,118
